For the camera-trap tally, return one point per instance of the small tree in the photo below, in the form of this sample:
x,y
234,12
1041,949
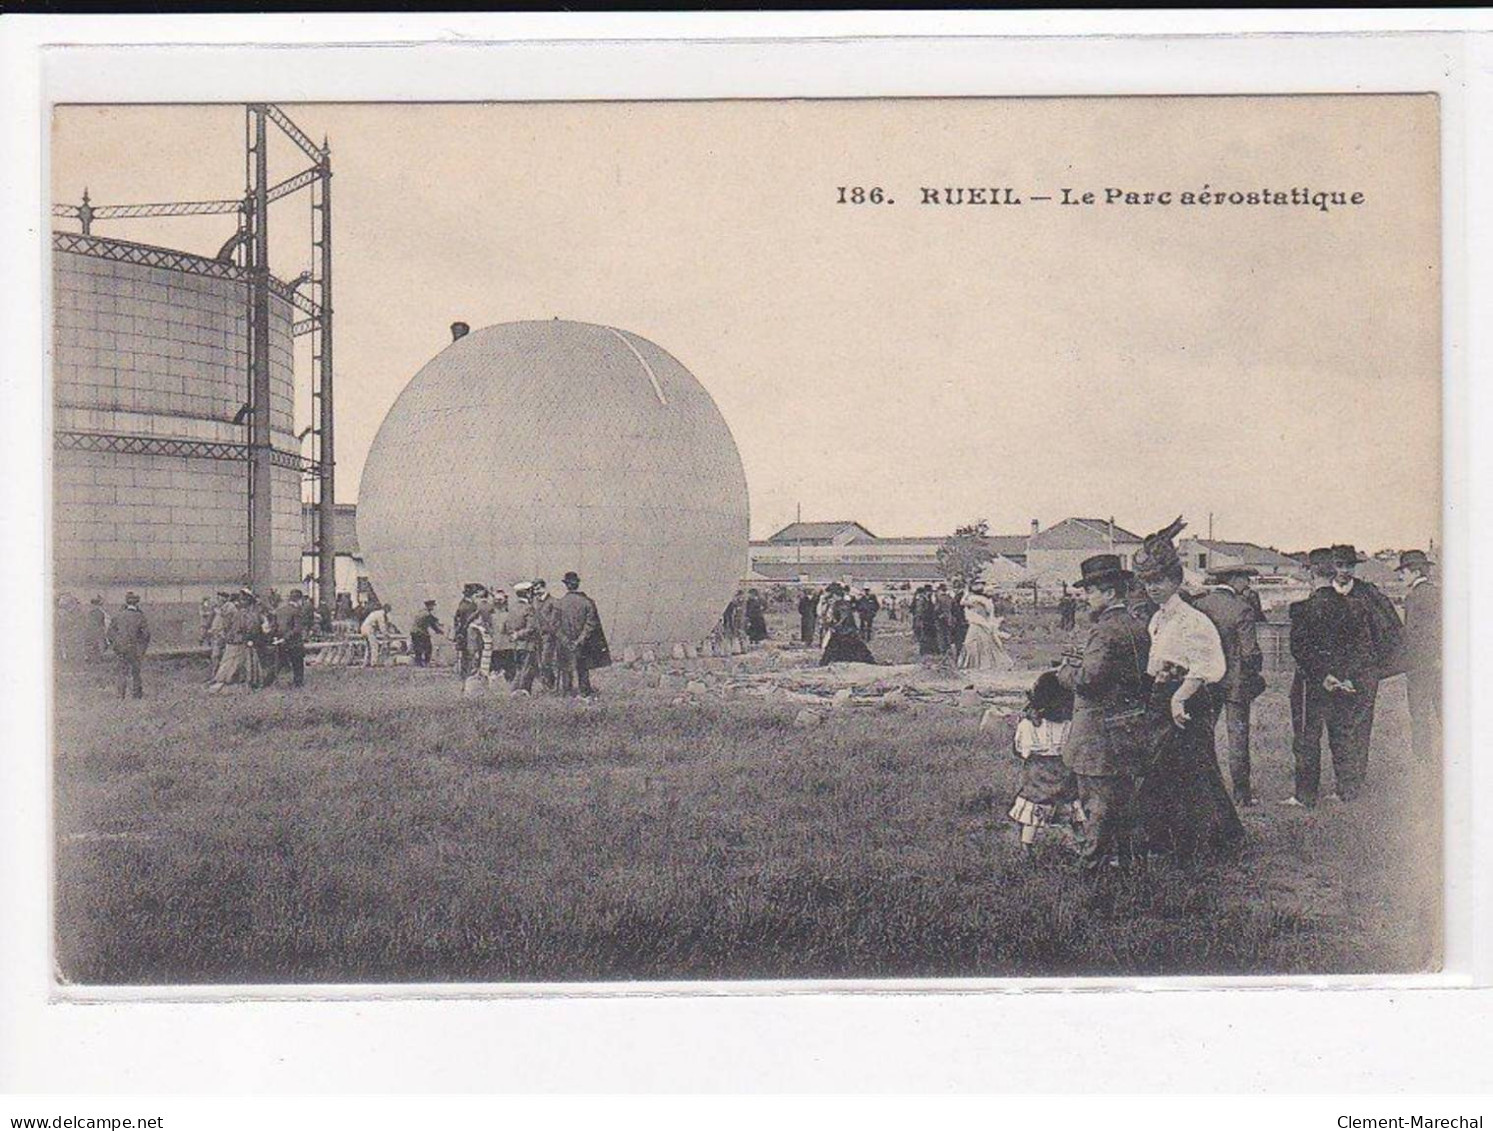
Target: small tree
x,y
965,552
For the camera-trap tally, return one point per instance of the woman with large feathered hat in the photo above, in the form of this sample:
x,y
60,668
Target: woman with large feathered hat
x,y
1181,804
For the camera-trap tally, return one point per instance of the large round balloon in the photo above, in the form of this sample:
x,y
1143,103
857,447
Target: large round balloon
x,y
531,448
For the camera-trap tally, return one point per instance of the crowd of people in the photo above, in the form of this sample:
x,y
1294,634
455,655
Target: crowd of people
x,y
251,639
1117,741
745,620
960,622
536,639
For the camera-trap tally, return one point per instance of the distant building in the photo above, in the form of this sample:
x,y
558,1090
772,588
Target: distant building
x,y
1053,555
1202,554
352,576
816,553
884,574
843,533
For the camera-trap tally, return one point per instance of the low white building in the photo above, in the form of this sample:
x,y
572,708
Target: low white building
x,y
352,576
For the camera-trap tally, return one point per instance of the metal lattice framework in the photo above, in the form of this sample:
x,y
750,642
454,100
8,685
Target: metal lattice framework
x,y
245,256
125,252
138,211
120,251
70,440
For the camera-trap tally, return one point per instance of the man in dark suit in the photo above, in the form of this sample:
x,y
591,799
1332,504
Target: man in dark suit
x,y
1108,680
924,618
866,608
466,609
958,621
1421,655
1067,610
1242,585
808,612
128,638
943,619
1234,617
1378,645
580,644
1323,644
293,620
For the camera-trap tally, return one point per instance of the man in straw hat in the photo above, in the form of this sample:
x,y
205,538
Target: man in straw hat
x,y
1107,678
540,638
1235,619
1421,655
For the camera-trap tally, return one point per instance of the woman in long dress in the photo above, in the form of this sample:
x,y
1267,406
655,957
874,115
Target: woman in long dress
x,y
843,642
983,650
1181,804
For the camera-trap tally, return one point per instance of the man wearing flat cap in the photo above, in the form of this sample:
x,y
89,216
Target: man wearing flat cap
x,y
1379,644
1107,678
1234,617
425,624
1421,655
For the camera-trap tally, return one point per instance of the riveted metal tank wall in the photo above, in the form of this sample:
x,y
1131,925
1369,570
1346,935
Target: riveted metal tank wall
x,y
150,483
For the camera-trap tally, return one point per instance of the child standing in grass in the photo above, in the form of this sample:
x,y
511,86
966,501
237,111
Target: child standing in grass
x,y
1049,791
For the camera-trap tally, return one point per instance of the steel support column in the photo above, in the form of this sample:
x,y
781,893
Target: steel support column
x,y
326,499
261,517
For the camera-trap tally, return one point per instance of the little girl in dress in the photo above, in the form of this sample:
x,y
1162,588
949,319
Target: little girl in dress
x,y
1049,791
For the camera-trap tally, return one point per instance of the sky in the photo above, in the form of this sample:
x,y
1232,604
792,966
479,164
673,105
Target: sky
x,y
913,367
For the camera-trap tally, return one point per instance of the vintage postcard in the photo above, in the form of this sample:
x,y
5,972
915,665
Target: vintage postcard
x,y
608,542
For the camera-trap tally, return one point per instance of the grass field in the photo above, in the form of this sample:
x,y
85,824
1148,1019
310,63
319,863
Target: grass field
x,y
378,827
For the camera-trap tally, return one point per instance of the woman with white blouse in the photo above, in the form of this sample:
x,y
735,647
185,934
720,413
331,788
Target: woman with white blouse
x,y
1182,804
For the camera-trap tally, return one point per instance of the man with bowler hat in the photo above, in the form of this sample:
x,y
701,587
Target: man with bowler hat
x,y
128,638
1421,655
578,627
1234,617
1379,643
1108,679
1326,648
